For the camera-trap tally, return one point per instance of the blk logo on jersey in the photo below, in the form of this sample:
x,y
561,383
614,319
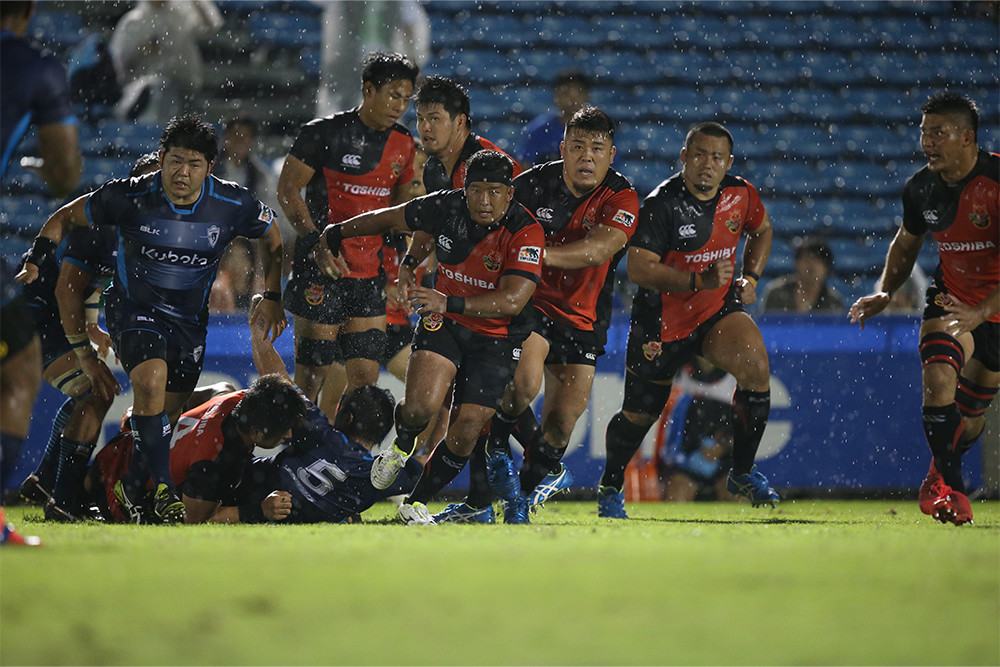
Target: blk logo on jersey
x,y
433,321
652,349
351,161
980,217
623,217
530,254
492,261
213,235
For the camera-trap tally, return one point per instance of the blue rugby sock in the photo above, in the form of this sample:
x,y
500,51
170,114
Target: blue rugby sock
x,y
49,465
153,442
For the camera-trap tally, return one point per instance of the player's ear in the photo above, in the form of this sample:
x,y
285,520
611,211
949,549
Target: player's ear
x,y
368,89
562,154
210,165
160,155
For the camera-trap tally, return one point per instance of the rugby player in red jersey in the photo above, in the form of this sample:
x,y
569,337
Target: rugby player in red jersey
x,y
489,255
688,304
955,197
348,163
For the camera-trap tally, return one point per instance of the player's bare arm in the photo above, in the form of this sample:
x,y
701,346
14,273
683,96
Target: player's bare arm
x,y
70,290
271,311
327,251
507,300
899,263
295,175
419,249
755,256
646,270
597,247
51,233
265,358
198,511
98,336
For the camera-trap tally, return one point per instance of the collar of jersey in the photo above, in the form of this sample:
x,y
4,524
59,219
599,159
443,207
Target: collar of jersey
x,y
185,211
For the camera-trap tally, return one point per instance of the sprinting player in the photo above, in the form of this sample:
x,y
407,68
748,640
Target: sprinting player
x,y
488,250
173,227
589,213
348,163
34,90
20,377
65,300
212,450
688,304
955,197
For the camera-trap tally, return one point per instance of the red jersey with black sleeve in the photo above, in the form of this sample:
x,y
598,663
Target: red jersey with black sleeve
x,y
690,234
472,258
579,298
207,457
963,218
356,170
436,179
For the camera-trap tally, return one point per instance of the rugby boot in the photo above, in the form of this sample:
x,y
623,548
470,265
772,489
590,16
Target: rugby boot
x,y
932,489
611,503
167,507
953,508
752,485
516,510
500,473
415,514
34,491
59,514
387,466
463,513
131,510
550,485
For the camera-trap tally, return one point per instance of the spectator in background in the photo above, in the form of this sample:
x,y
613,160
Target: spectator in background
x,y
155,50
34,89
542,136
806,290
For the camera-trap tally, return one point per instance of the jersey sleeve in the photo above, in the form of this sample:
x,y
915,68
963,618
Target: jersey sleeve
x,y
621,212
524,253
652,231
53,104
310,146
106,205
86,249
913,221
203,481
258,217
422,213
755,209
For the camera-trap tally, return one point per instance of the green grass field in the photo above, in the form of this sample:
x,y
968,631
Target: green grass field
x,y
813,582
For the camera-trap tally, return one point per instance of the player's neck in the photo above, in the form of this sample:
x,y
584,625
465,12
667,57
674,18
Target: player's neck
x,y
449,156
367,118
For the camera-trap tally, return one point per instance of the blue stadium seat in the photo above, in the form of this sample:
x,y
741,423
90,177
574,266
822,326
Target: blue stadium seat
x,y
675,102
622,104
56,28
494,30
618,68
24,215
821,68
789,217
879,104
782,259
970,33
543,65
787,178
814,104
894,69
853,257
906,32
285,29
488,105
693,67
968,68
504,135
750,67
577,31
649,139
841,32
99,170
639,32
444,33
873,142
746,105
529,101
853,217
694,30
858,178
805,140
772,32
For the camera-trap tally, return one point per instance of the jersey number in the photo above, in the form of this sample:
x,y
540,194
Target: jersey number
x,y
320,476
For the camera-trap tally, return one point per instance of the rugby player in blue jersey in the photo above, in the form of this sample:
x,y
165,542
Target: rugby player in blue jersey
x,y
173,227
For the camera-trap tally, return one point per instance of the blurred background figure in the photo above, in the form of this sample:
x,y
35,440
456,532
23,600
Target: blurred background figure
x,y
808,289
542,136
156,54
34,90
698,449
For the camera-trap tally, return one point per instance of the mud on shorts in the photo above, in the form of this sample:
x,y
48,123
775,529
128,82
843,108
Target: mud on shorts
x,y
485,364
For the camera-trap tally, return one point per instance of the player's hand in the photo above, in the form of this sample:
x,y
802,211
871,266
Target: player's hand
x,y
331,265
100,338
961,317
102,381
27,274
747,291
405,283
268,316
867,307
718,274
277,506
425,300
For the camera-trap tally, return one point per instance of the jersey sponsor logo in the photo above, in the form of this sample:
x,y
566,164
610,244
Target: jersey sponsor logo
x,y
623,217
965,246
709,256
146,229
686,231
314,294
980,217
733,222
460,277
213,235
432,322
266,214
544,214
492,261
530,254
172,257
652,349
350,161
444,242
366,190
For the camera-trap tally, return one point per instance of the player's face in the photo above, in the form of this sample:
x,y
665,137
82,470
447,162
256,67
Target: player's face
x,y
705,163
586,158
944,143
488,202
386,105
438,130
184,172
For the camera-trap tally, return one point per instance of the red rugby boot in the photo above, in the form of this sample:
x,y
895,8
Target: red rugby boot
x,y
932,490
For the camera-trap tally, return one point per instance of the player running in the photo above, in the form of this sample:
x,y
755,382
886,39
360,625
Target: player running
x,y
955,197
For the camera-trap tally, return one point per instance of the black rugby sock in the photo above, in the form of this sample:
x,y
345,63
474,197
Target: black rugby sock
x,y
539,460
622,441
750,412
527,432
442,467
73,458
501,426
943,429
10,449
480,493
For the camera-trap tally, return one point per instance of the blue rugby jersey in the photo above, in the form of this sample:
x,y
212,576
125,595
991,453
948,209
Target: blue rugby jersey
x,y
168,255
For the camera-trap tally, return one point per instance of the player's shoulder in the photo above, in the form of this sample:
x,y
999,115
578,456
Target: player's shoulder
x,y
399,128
735,181
230,192
616,182
669,188
989,164
518,218
541,176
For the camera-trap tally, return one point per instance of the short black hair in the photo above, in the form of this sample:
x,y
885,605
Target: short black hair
x,y
815,246
592,121
271,405
955,105
192,132
365,414
574,76
712,129
143,164
15,8
490,161
245,121
449,94
380,68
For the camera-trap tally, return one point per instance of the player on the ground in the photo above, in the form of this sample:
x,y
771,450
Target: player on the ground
x,y
589,212
34,90
173,227
955,197
488,250
682,259
348,163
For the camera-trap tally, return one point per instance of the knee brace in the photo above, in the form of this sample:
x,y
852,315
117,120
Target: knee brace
x,y
940,348
363,344
317,353
972,398
73,383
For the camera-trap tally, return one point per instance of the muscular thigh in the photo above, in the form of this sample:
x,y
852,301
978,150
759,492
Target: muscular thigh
x,y
428,378
306,328
567,390
735,345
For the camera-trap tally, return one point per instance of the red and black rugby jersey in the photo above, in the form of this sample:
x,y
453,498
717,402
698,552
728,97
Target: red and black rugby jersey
x,y
436,179
197,464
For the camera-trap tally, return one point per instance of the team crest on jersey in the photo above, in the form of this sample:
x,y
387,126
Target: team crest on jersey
x,y
980,217
266,214
314,295
397,168
213,235
492,261
652,349
530,254
589,219
197,352
623,217
433,321
942,299
734,222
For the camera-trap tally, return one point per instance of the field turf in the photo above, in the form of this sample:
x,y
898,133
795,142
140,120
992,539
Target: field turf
x,y
812,582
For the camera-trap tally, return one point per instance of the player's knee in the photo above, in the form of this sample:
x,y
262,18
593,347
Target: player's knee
x,y
368,344
942,358
73,383
317,353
